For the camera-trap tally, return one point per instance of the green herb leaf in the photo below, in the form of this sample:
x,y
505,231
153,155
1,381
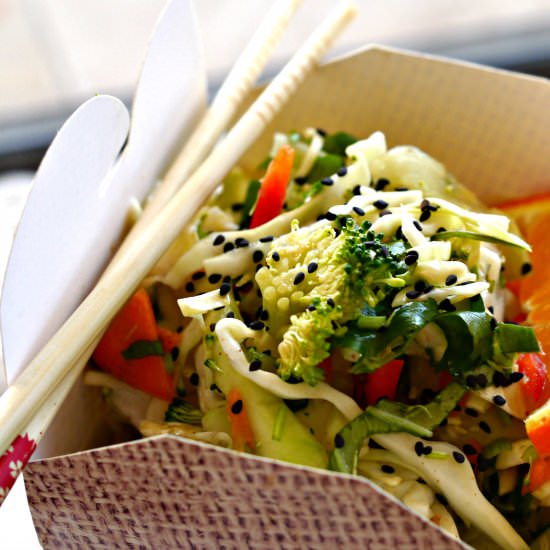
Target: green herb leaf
x,y
387,417
516,338
181,411
469,340
143,348
379,347
337,143
325,166
249,202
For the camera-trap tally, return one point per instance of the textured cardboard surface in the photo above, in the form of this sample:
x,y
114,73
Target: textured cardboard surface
x,y
490,129
166,493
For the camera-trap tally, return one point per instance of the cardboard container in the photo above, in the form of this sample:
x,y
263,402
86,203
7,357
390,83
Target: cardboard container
x,y
490,128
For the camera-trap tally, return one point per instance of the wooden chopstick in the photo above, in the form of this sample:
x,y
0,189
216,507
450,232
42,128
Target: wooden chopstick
x,y
234,89
47,370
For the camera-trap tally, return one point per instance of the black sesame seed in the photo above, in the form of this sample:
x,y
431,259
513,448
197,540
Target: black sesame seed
x,y
459,457
471,381
175,353
230,315
257,325
198,275
327,181
264,315
427,289
300,276
413,294
387,469
267,239
380,204
425,215
412,257
427,450
384,213
214,278
330,302
485,427
339,441
301,180
255,365
516,376
469,449
446,305
381,183
425,204
402,189
526,268
321,132
419,448
441,498
471,412
419,285
218,240
310,307
237,407
342,171
227,247
359,211
481,380
499,400
179,330
441,230
451,279
312,267
491,309
356,190
190,287
417,225
225,288
241,243
257,256
194,379
499,379
275,256
330,216
212,327
421,481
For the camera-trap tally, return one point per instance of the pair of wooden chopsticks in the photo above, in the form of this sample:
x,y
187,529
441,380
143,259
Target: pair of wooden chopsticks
x,y
29,404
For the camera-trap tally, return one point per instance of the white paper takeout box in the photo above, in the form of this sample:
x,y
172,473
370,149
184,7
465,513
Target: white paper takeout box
x,y
490,128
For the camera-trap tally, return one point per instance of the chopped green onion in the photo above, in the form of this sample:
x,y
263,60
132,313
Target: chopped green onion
x,y
279,423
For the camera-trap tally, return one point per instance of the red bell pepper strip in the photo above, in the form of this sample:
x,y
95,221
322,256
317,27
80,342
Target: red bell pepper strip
x,y
135,322
537,425
534,384
539,474
169,339
271,195
241,432
383,381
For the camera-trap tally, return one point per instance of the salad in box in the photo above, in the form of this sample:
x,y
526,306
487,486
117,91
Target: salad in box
x,y
338,304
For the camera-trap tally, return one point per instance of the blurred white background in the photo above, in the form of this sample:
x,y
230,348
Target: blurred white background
x,y
54,54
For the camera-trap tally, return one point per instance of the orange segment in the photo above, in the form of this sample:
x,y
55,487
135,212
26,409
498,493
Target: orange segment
x,y
539,279
525,211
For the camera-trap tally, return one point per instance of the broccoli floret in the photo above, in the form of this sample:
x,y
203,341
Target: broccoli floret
x,y
316,280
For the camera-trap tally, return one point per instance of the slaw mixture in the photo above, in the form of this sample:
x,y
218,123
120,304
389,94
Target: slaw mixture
x,y
346,308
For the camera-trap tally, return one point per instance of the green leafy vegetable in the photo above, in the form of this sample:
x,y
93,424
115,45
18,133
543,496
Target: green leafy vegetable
x,y
388,417
469,340
338,143
516,338
143,348
378,347
249,202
